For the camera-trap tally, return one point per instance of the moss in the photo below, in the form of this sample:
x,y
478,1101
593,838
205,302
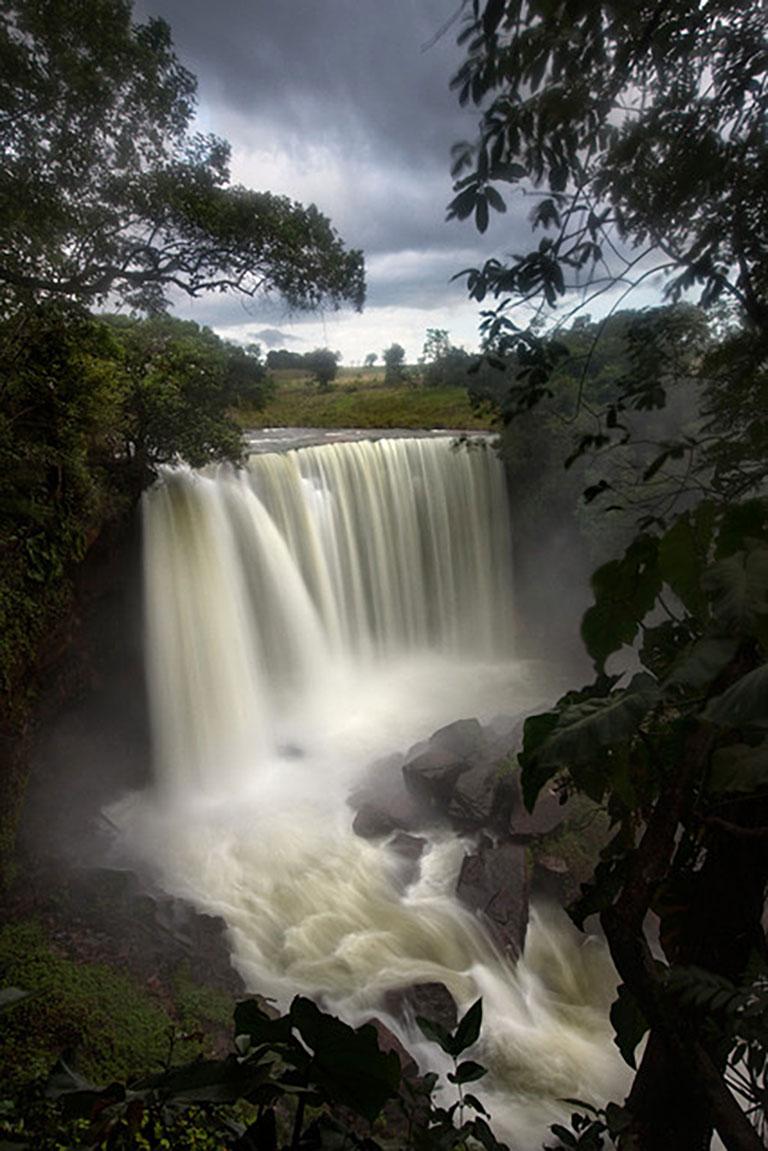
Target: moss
x,y
197,1006
113,1026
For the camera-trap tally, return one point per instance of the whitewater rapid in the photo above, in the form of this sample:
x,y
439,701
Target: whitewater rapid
x,y
306,616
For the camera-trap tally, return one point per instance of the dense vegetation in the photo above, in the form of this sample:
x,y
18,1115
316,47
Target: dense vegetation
x,y
639,132
106,195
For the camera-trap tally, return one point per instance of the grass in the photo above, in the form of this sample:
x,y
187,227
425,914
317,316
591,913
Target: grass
x,y
359,398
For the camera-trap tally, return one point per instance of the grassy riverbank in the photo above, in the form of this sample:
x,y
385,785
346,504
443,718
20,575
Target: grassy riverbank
x,y
359,398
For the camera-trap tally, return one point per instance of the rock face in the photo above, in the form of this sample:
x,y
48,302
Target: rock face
x,y
494,883
463,776
432,1001
409,850
457,773
547,815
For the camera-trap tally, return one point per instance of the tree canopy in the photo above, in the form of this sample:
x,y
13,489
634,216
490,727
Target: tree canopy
x,y
105,189
637,129
638,133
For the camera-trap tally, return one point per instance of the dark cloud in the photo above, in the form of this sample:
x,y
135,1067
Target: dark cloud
x,y
359,67
274,337
346,104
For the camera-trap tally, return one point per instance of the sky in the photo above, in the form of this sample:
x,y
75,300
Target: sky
x,y
345,104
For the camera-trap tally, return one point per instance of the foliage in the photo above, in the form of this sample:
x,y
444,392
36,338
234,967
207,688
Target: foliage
x,y
437,345
300,1080
280,358
117,1026
323,364
367,403
640,131
678,757
104,189
179,385
637,132
394,363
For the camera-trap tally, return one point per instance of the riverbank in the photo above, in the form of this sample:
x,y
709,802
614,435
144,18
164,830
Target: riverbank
x,y
360,398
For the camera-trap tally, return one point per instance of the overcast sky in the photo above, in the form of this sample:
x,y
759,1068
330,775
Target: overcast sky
x,y
345,104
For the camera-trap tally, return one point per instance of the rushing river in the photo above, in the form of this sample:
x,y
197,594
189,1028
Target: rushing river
x,y
319,609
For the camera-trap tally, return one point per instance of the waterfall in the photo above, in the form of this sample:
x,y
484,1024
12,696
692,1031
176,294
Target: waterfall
x,y
307,614
266,584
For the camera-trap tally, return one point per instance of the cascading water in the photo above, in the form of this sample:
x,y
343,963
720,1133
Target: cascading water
x,y
305,615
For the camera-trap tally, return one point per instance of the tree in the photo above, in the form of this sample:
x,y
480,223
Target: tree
x,y
394,363
281,358
323,364
639,132
638,129
370,359
437,344
178,385
103,189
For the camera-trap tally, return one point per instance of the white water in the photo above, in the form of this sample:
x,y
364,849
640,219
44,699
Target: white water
x,y
320,609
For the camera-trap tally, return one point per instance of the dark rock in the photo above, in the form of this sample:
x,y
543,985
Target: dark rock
x,y
547,815
408,846
432,775
384,804
494,883
551,879
409,849
388,1041
155,932
464,738
432,1001
372,822
473,798
390,807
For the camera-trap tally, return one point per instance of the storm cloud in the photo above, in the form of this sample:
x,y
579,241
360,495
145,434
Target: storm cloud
x,y
345,104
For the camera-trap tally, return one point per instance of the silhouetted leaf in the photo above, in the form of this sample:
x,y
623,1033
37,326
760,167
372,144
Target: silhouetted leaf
x,y
629,1023
347,1063
468,1072
468,1029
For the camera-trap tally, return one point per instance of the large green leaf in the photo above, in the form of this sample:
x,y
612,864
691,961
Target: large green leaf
x,y
683,557
586,728
625,591
739,522
739,768
702,662
743,704
738,587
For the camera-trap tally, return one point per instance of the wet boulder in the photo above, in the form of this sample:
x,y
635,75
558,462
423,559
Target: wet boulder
x,y
409,850
548,813
494,883
473,799
383,803
432,1001
465,738
432,775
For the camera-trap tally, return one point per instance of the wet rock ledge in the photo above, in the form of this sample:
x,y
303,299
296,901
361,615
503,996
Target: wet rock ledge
x,y
465,776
